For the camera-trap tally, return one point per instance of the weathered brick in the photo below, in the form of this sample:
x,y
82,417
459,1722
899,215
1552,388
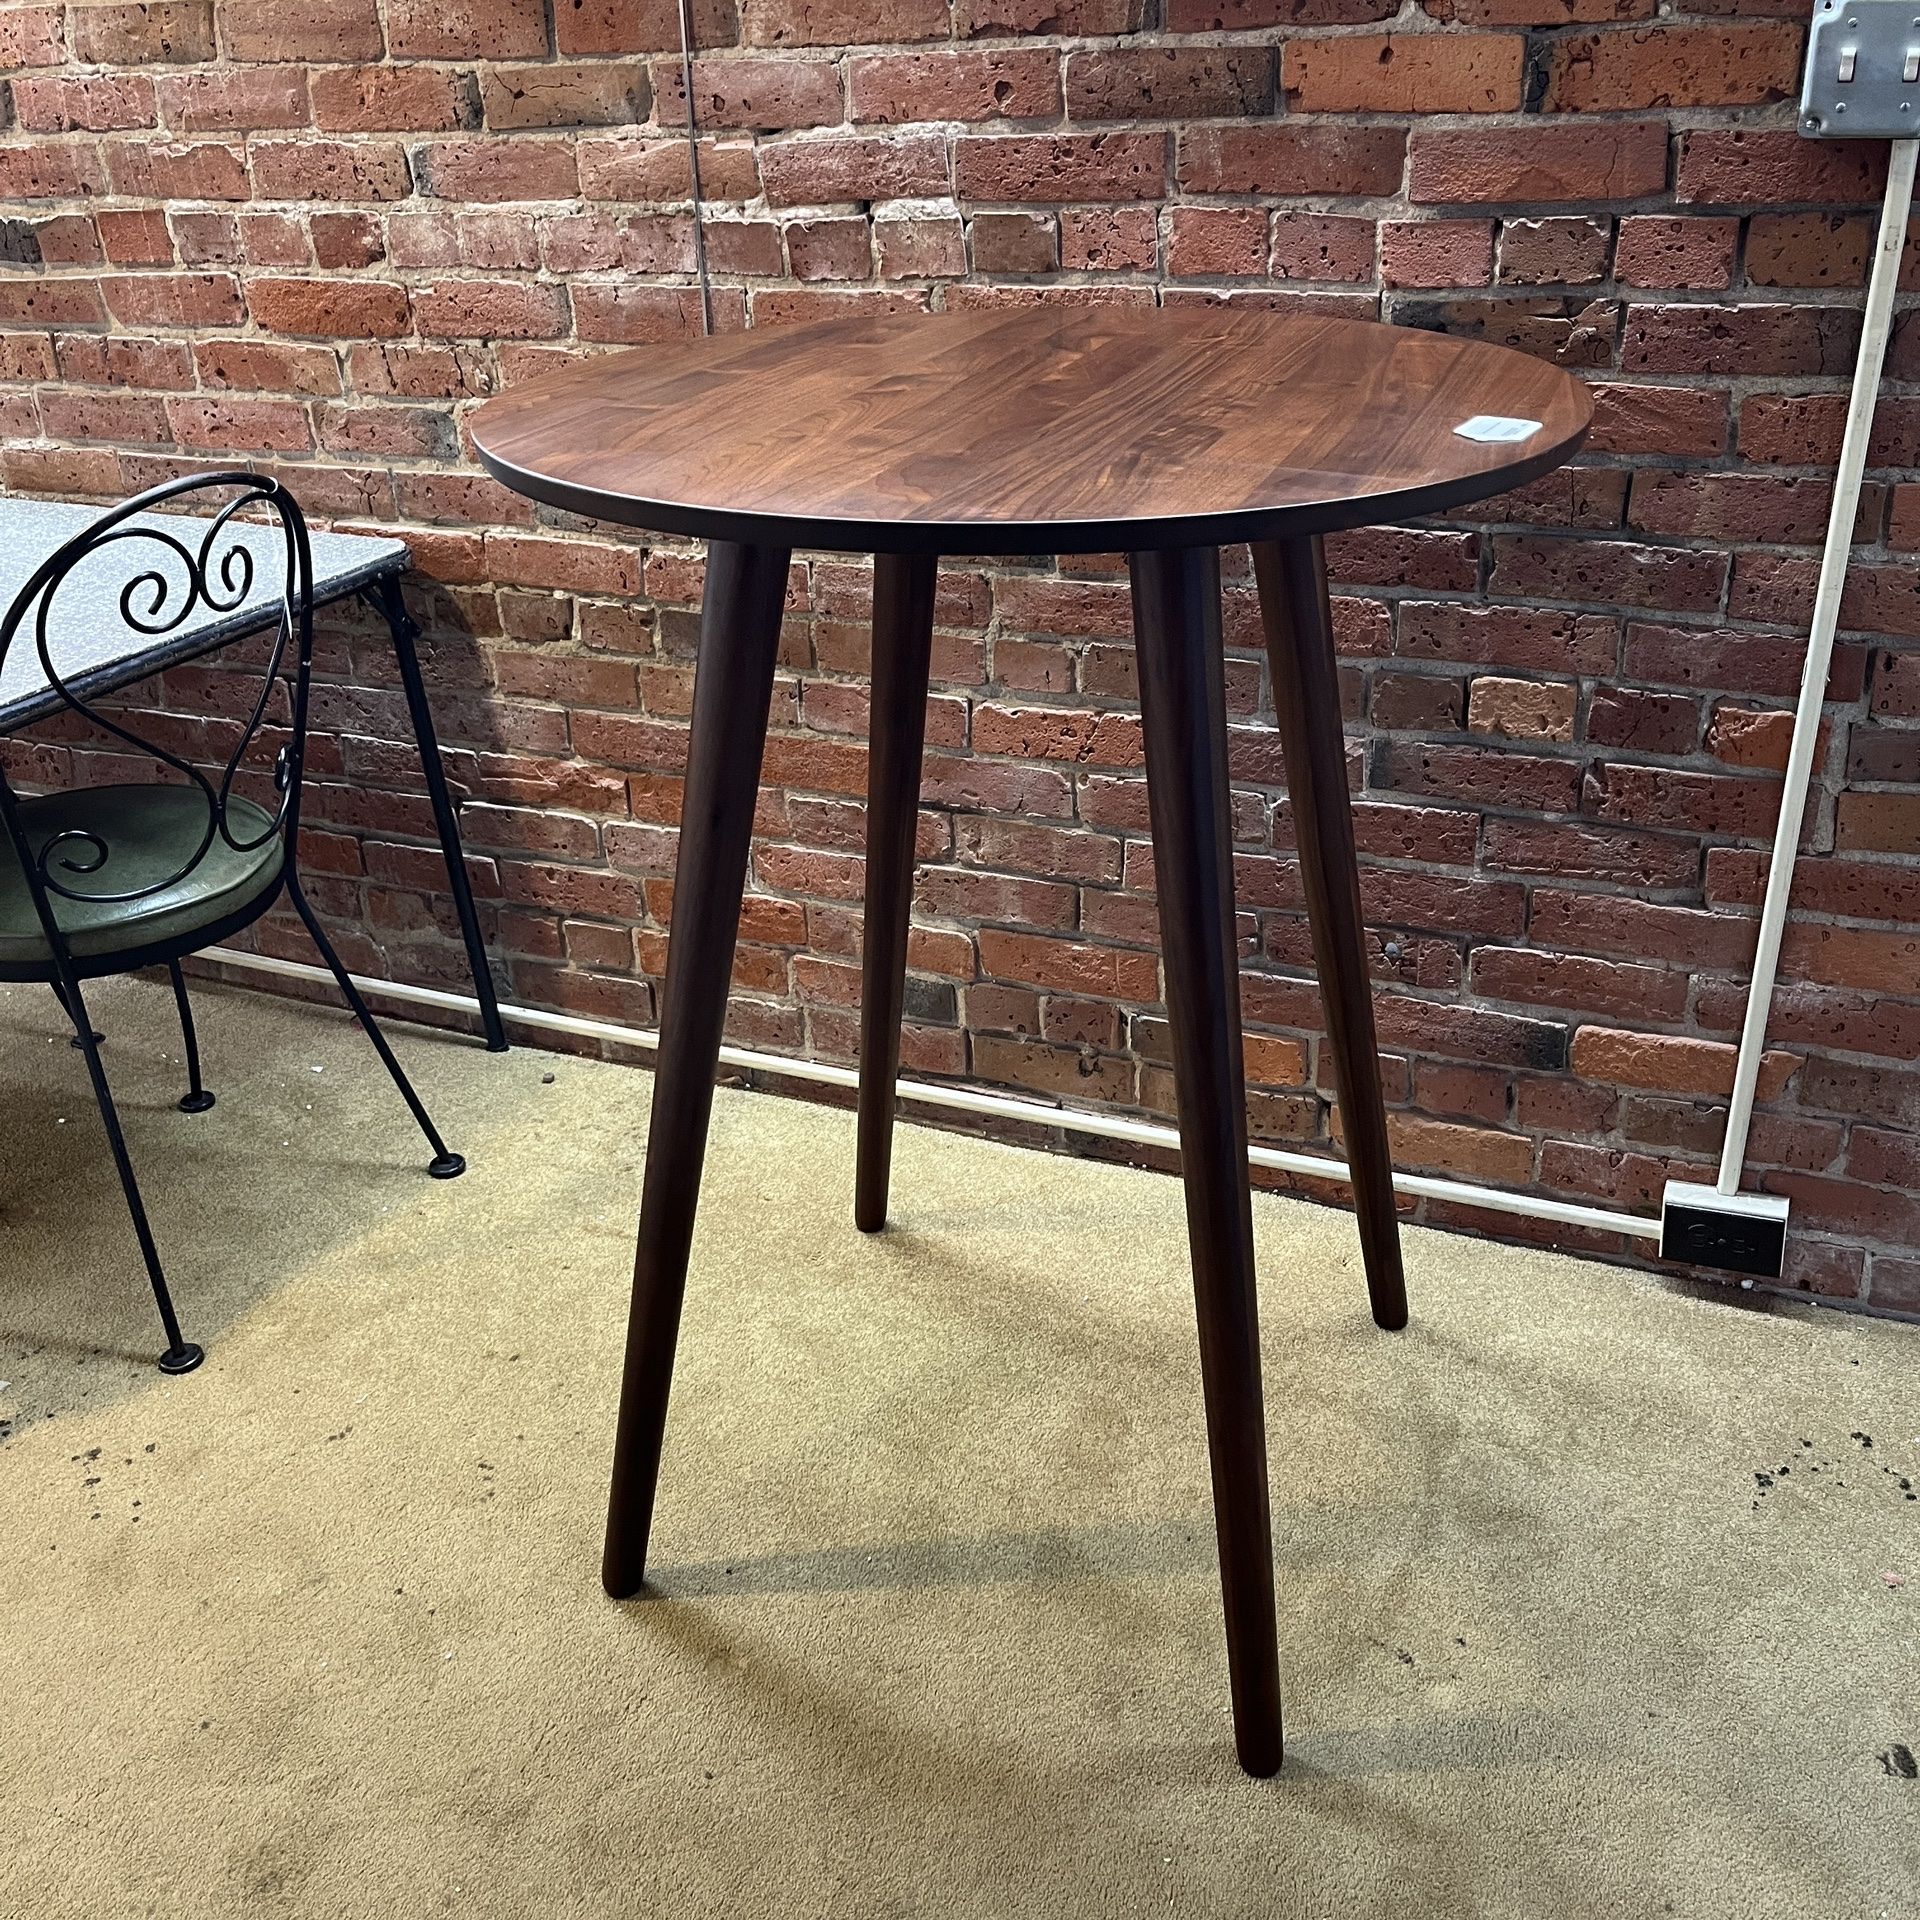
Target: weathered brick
x,y
1877,823
1608,987
146,35
327,308
1522,709
173,299
1627,68
390,100
594,95
489,310
745,94
1808,250
830,249
1068,966
1404,73
1217,241
1168,83
965,84
315,30
911,249
1608,160
1321,246
127,361
1746,166
1672,1063
1012,243
992,19
1659,250
85,103
1317,158
1740,506
1650,419
1609,572
1563,250
330,170
821,171
1060,167
499,170
1436,253
1753,663
641,169
267,365
241,99
177,169
1679,798
838,23
62,240
455,29
634,314
1108,239
222,425
1646,721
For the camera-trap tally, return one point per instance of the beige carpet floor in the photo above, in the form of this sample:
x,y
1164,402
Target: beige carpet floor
x,y
317,1630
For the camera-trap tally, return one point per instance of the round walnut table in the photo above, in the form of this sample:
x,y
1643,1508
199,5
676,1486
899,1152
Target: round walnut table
x,y
1156,433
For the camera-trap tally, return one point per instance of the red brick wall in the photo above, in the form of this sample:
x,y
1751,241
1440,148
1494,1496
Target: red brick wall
x,y
315,236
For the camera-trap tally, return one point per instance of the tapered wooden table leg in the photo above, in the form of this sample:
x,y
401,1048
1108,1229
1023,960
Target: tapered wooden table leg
x,y
1306,695
733,684
1176,618
902,651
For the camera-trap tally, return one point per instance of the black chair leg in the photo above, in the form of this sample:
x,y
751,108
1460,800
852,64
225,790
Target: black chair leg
x,y
66,1007
386,596
444,1165
196,1099
181,1356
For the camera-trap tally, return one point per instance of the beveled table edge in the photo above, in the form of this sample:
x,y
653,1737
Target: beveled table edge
x,y
1019,538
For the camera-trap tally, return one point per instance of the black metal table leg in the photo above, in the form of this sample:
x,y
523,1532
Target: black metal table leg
x,y
385,594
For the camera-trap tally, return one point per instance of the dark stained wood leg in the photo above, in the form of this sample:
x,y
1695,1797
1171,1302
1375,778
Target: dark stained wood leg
x,y
733,684
1306,694
1176,619
902,650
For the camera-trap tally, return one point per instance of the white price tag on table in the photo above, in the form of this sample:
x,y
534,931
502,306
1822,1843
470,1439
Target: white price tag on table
x,y
1496,426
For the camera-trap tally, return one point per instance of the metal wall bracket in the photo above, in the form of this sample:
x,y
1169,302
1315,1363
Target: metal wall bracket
x,y
1863,71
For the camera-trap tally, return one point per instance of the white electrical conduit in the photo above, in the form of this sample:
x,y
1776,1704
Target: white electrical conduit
x,y
1877,324
1004,1106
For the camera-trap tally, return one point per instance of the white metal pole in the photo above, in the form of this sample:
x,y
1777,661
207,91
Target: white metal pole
x,y
1877,324
1003,1106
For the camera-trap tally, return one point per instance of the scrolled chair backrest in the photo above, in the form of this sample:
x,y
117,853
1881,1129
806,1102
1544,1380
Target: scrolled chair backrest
x,y
187,566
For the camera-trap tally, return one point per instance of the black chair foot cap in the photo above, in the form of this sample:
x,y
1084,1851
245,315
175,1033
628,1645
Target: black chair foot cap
x,y
79,1045
450,1166
496,1046
182,1359
196,1102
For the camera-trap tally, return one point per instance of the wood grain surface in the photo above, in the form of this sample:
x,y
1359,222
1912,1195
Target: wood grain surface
x,y
1032,430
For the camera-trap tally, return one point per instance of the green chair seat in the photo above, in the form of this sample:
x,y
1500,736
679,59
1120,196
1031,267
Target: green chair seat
x,y
150,832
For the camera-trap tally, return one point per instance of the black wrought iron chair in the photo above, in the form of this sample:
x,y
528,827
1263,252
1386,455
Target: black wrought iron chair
x,y
109,879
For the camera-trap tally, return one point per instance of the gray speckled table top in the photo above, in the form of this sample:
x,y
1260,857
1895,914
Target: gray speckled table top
x,y
94,648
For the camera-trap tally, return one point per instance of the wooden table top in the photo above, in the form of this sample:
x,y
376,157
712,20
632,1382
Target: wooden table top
x,y
1031,430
